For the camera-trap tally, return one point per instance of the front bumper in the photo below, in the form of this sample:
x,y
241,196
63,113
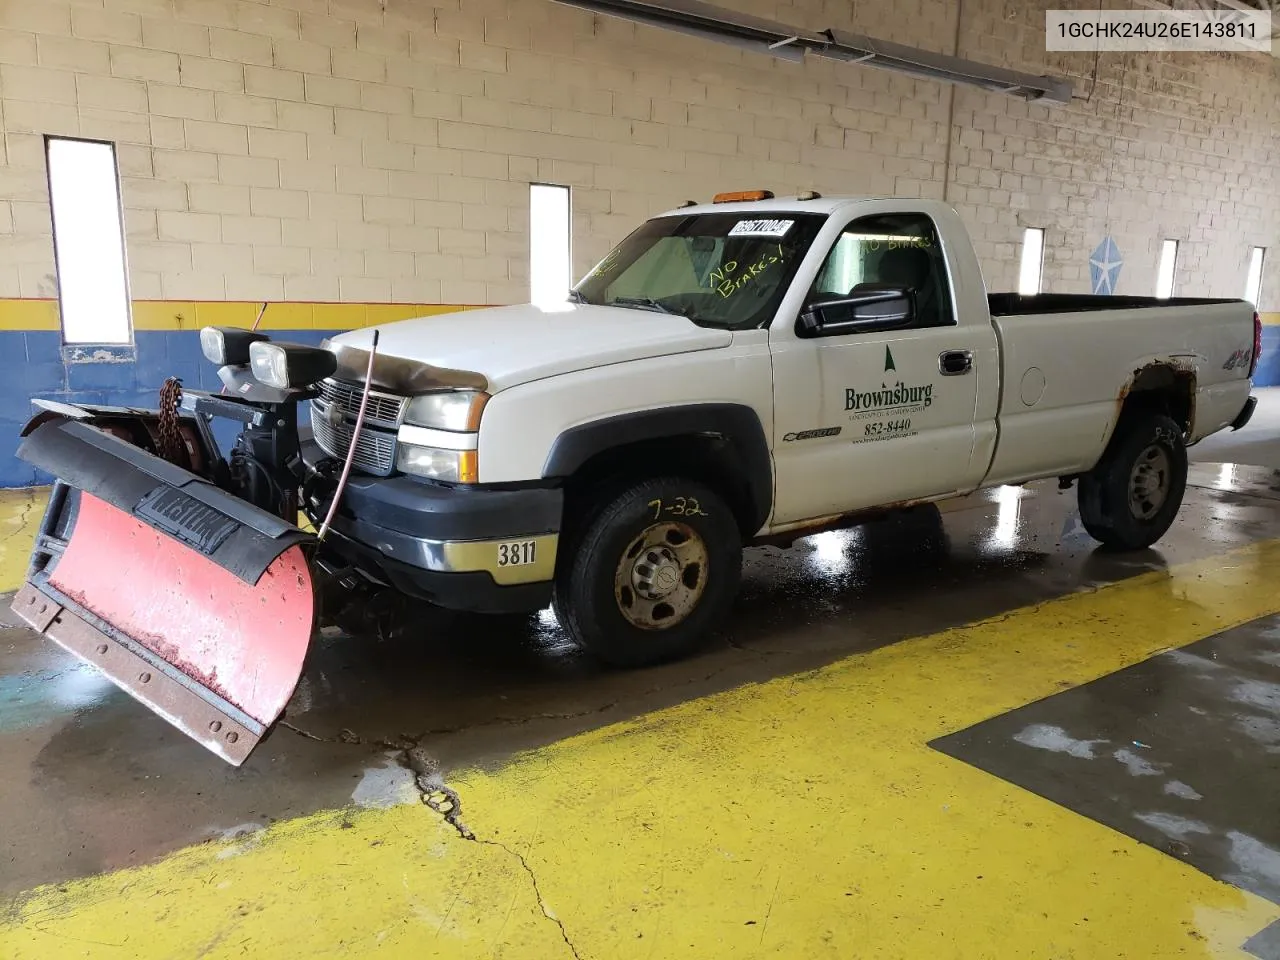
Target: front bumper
x,y
484,550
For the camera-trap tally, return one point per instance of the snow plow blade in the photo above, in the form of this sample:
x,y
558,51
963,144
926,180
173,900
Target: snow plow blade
x,y
198,604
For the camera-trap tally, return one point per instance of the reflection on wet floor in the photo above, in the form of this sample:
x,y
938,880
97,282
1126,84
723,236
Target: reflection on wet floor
x,y
477,689
1236,479
36,697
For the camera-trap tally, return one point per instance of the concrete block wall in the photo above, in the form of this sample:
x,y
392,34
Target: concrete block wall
x,y
375,152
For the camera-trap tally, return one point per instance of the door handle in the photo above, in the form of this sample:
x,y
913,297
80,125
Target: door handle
x,y
952,363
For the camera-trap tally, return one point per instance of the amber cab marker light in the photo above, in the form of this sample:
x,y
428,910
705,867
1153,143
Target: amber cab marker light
x,y
742,195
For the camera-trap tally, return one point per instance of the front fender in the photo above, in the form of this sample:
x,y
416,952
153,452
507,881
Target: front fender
x,y
736,424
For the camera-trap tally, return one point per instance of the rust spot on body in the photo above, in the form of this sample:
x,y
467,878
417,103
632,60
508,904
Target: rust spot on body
x,y
838,521
1172,376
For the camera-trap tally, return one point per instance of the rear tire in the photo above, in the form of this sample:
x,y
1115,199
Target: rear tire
x,y
654,568
1130,499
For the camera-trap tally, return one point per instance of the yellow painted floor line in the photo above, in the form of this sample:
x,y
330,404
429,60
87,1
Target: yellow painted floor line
x,y
20,513
801,817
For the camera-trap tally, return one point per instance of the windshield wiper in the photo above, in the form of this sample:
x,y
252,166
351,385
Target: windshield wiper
x,y
646,303
577,296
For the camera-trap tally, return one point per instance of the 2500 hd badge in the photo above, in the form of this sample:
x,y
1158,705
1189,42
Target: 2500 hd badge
x,y
812,434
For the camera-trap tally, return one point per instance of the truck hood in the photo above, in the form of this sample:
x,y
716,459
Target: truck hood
x,y
501,347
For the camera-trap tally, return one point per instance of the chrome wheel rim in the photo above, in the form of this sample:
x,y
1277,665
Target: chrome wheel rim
x,y
661,576
1149,482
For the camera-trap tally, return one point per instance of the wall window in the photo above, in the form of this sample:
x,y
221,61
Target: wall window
x,y
1253,280
1165,272
549,244
88,240
1031,270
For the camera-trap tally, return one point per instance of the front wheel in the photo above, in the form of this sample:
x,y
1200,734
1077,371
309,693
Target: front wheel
x,y
1129,500
654,570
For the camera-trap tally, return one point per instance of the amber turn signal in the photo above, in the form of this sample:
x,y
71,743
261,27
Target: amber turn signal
x,y
468,466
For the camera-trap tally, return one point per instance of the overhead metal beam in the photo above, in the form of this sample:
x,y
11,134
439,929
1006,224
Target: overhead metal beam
x,y
699,19
1246,8
857,48
1238,5
709,22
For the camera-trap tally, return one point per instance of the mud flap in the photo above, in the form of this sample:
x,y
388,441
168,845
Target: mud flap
x,y
196,603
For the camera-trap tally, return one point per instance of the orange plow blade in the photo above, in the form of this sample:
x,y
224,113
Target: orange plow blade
x,y
177,592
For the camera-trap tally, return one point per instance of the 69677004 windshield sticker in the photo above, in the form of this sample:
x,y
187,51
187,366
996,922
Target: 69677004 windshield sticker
x,y
761,228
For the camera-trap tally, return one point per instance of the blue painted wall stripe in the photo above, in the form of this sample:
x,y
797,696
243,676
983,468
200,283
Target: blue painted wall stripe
x,y
31,366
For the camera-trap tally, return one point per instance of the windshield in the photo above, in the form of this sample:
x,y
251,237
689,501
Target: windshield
x,y
727,270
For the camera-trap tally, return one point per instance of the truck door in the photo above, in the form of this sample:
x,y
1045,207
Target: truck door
x,y
878,412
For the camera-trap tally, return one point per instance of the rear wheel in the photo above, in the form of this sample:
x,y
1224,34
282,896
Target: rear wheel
x,y
1130,499
653,570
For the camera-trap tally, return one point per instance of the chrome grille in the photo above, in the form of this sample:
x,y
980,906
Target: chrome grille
x,y
375,451
333,417
384,409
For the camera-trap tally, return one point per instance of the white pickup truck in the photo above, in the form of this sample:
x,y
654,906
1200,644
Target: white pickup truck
x,y
749,371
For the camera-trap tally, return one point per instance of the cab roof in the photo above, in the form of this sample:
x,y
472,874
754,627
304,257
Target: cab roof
x,y
793,204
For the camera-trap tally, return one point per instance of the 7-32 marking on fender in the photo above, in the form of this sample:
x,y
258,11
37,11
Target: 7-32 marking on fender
x,y
681,507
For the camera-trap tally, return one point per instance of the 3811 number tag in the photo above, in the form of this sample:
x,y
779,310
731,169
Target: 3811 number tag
x,y
517,554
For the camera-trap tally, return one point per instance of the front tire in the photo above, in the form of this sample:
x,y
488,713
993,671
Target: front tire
x,y
1130,499
654,569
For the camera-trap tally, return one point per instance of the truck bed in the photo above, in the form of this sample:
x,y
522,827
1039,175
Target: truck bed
x,y
1066,361
1015,304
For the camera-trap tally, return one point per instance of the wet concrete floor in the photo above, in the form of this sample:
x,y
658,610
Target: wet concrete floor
x,y
1258,444
94,782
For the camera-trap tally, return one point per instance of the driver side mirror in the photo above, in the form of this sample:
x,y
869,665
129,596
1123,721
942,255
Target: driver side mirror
x,y
869,307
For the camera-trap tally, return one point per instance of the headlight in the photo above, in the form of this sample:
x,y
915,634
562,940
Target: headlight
x,y
287,366
452,466
270,364
457,410
228,346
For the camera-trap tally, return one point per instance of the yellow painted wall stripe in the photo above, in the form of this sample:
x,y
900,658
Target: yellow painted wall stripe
x,y
192,315
1270,319
800,817
29,315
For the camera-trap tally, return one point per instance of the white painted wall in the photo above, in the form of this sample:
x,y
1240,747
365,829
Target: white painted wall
x,y
381,150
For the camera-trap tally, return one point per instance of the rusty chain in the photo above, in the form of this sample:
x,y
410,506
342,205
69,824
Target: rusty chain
x,y
170,443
